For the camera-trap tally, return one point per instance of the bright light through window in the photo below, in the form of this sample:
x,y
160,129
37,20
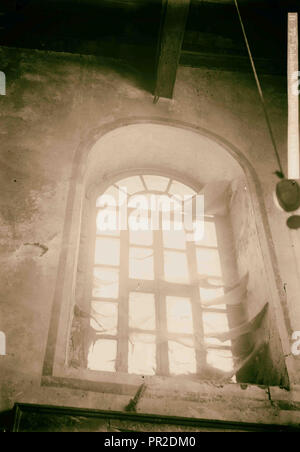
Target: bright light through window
x,y
148,315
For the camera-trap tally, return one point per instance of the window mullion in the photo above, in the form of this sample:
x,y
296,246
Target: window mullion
x,y
160,304
196,308
123,311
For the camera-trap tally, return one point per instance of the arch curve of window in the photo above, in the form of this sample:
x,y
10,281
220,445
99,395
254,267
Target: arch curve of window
x,y
197,160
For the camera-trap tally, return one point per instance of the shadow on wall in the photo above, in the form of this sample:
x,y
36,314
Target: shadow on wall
x,y
101,29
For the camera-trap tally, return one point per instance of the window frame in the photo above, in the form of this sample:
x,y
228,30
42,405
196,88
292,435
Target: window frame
x,y
56,372
160,290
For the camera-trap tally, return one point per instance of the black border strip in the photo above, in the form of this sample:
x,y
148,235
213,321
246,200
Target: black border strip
x,y
22,408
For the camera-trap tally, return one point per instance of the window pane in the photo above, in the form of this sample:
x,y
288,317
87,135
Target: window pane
x,y
141,310
179,315
221,359
176,267
107,251
106,283
169,206
177,188
210,294
138,212
156,183
141,238
208,262
210,236
102,355
142,354
131,184
107,224
104,317
141,263
214,322
182,359
174,238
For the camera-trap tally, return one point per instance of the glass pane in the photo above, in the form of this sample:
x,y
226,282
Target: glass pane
x,y
174,238
141,238
221,359
182,359
181,190
104,317
106,283
142,354
210,294
102,355
141,263
172,205
179,315
107,222
156,183
142,310
208,262
131,184
138,212
214,322
210,236
165,204
176,267
107,251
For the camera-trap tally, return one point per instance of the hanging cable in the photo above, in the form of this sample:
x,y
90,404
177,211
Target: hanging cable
x,y
259,90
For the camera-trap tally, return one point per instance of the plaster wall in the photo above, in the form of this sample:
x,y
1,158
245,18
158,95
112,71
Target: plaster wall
x,y
58,103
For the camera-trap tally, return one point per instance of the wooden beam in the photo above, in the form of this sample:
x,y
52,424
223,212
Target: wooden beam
x,y
173,22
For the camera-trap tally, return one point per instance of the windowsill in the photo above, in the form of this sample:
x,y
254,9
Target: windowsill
x,y
183,388
200,400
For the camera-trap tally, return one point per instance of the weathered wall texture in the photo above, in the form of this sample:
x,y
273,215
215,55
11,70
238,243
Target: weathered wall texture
x,y
269,364
54,103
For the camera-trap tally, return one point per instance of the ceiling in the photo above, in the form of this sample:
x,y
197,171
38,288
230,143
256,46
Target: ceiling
x,y
128,30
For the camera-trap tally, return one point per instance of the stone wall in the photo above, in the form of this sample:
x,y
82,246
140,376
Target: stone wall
x,y
56,103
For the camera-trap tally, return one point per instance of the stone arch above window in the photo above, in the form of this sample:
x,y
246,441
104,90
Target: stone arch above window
x,y
205,167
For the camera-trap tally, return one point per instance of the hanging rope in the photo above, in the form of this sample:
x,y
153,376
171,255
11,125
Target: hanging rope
x,y
259,89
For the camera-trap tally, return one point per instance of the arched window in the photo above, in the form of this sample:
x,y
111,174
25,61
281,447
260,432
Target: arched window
x,y
154,269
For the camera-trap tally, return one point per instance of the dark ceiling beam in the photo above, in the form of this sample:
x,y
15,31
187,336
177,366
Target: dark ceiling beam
x,y
173,23
232,63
